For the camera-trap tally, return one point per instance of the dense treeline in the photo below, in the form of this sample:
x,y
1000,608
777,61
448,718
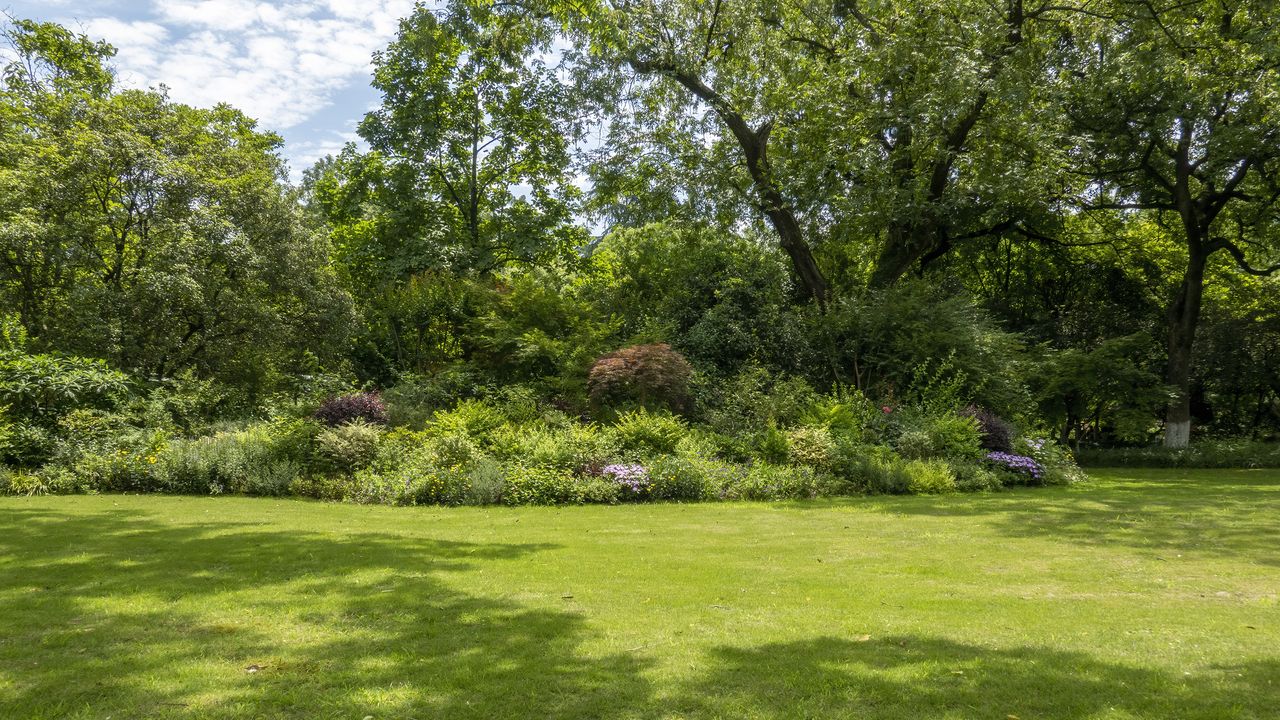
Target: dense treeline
x,y
1056,217
1099,177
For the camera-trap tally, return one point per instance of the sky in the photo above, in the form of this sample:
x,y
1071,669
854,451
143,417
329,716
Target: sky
x,y
301,67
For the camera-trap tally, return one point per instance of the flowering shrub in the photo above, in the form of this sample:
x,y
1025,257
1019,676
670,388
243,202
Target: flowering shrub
x,y
349,408
651,376
631,478
1020,465
1059,465
543,486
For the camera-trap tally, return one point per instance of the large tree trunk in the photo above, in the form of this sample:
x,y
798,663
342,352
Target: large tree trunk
x,y
754,143
1184,317
905,246
791,238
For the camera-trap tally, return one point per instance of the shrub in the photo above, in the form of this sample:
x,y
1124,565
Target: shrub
x,y
271,479
972,477
16,482
944,434
602,491
929,477
258,459
648,376
914,330
344,409
884,475
519,404
1235,453
453,450
915,444
28,445
427,484
764,481
955,436
322,487
577,447
811,446
632,480
49,480
754,398
367,487
995,432
702,443
868,468
487,483
642,433
769,445
476,419
847,412
186,405
723,297
415,398
844,463
679,478
347,448
1022,469
1056,460
541,486
44,387
128,461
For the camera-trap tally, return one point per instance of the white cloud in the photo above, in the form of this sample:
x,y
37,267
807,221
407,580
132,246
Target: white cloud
x,y
280,62
305,154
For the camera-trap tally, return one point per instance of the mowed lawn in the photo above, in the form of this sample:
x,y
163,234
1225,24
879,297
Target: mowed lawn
x,y
1142,594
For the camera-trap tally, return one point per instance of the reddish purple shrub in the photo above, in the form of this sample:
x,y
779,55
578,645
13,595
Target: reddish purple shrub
x,y
996,432
650,376
344,409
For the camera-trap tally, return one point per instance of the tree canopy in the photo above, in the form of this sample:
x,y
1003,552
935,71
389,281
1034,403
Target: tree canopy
x,y
1066,211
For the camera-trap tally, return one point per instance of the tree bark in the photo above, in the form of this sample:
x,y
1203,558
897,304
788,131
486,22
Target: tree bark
x,y
1184,317
754,144
927,237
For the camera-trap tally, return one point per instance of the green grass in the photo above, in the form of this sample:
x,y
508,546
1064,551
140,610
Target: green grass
x,y
1142,594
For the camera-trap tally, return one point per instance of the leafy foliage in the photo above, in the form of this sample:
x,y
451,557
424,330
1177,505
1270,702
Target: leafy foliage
x,y
995,432
648,376
43,388
345,409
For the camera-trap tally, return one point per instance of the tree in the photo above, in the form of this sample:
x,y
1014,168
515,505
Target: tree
x,y
943,122
897,129
725,57
1108,387
476,128
157,236
1179,110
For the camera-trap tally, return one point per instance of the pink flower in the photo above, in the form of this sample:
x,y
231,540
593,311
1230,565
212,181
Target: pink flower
x,y
886,409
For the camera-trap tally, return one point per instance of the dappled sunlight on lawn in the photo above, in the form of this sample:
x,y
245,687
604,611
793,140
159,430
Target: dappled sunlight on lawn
x,y
231,608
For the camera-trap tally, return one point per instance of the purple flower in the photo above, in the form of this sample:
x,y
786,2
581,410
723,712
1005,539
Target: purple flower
x,y
1019,464
631,477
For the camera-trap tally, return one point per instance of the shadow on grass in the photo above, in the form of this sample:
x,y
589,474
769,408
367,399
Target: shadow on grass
x,y
390,637
915,677
1214,513
371,627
